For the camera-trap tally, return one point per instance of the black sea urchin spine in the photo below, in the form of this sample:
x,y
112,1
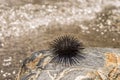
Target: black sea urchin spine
x,y
66,50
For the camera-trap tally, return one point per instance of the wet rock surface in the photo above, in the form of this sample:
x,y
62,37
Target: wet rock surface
x,y
99,63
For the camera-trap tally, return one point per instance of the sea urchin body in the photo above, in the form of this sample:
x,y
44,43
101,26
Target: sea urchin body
x,y
66,50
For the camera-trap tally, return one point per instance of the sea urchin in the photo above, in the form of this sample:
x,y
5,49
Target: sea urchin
x,y
66,50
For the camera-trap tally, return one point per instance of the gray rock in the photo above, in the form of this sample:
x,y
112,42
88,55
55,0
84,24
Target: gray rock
x,y
95,61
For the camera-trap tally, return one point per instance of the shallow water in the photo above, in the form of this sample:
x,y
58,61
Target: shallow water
x,y
30,25
99,17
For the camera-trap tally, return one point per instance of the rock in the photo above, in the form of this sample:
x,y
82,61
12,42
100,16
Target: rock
x,y
99,64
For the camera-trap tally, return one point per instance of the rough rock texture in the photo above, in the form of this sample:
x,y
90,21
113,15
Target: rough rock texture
x,y
99,64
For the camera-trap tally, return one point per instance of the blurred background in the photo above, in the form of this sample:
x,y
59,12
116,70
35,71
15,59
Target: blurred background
x,y
27,26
